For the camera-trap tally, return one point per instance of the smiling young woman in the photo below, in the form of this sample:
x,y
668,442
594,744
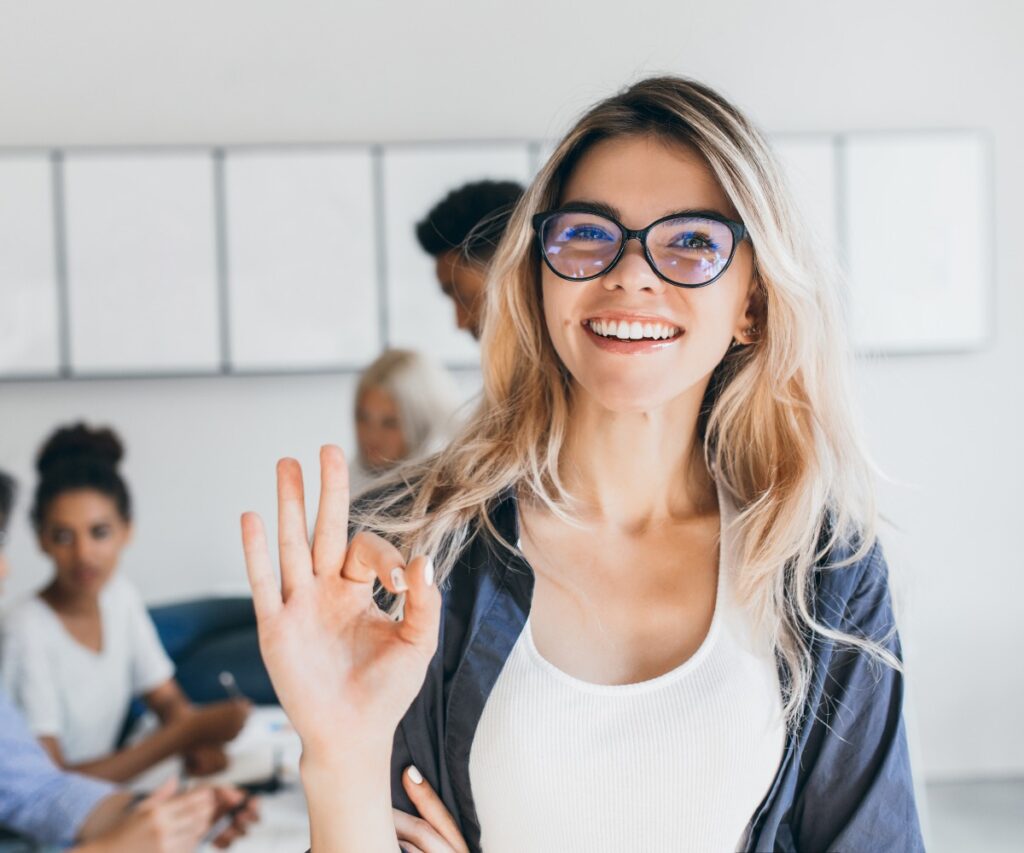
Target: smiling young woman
x,y
665,620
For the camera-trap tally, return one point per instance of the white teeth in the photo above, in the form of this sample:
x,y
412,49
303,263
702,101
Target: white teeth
x,y
626,330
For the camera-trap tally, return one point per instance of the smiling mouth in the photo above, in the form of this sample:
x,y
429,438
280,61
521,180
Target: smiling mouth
x,y
633,330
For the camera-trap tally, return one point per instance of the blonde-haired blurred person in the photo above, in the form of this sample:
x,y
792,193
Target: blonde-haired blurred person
x,y
405,409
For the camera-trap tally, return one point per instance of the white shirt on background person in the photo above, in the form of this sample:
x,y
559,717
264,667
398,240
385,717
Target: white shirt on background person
x,y
70,692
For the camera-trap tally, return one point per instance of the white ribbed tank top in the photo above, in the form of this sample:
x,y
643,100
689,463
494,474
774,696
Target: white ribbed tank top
x,y
676,763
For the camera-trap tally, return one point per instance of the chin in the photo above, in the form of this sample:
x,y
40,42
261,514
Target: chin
x,y
623,396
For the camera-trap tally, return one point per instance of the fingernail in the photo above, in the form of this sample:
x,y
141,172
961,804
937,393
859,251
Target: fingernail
x,y
428,572
398,580
415,775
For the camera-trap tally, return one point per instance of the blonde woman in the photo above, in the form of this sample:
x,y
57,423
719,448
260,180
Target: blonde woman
x,y
405,408
639,603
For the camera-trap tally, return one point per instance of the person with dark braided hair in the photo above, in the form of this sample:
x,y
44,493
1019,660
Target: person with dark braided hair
x,y
461,232
77,653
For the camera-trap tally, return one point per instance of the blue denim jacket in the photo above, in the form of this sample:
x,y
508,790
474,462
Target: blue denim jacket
x,y
844,781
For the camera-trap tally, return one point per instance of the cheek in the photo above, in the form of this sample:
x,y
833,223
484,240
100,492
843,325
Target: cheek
x,y
558,298
60,552
109,548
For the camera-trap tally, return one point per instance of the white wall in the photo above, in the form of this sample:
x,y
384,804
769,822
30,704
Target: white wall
x,y
236,71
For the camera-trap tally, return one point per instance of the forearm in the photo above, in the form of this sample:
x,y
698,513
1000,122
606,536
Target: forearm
x,y
129,762
348,796
169,702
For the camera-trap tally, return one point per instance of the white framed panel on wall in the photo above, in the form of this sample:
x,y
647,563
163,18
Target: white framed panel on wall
x,y
416,177
809,162
919,240
303,281
29,303
142,263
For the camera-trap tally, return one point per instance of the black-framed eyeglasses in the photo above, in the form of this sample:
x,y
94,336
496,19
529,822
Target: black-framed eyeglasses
x,y
687,249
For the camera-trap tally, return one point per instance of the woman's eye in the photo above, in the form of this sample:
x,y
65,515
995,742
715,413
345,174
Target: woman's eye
x,y
101,531
694,240
585,233
390,423
61,537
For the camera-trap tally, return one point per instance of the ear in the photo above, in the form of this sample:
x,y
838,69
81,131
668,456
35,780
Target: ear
x,y
751,323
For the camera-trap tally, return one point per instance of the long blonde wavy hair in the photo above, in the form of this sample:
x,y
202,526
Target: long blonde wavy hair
x,y
777,422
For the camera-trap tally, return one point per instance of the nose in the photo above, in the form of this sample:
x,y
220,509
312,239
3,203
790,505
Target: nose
x,y
81,549
633,273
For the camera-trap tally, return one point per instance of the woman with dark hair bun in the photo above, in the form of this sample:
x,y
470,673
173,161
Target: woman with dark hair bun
x,y
76,653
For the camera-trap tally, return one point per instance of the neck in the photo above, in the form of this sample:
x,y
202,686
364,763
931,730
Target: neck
x,y
638,469
70,602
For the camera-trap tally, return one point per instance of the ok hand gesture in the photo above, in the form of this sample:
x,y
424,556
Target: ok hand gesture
x,y
344,671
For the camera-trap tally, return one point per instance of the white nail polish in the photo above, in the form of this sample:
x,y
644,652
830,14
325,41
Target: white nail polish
x,y
398,580
415,775
428,572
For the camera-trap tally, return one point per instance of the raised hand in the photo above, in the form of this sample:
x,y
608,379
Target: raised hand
x,y
344,671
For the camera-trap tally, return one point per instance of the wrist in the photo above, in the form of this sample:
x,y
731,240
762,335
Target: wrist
x,y
109,813
348,795
321,762
184,729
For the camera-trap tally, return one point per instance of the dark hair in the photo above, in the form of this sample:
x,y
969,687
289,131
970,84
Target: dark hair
x,y
7,489
472,218
77,457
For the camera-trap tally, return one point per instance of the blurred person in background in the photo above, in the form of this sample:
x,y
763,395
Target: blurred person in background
x,y
43,804
461,232
405,408
75,654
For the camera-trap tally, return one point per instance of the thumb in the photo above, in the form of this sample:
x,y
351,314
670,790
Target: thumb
x,y
161,795
422,615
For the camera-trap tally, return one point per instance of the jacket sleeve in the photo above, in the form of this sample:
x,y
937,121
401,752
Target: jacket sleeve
x,y
856,791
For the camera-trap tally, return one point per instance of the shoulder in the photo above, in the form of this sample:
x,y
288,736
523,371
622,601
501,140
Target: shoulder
x,y
851,584
121,598
118,588
28,615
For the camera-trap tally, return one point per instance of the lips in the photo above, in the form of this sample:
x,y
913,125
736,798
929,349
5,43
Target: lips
x,y
643,346
86,575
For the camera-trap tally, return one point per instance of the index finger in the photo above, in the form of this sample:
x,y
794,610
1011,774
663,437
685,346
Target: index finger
x,y
330,536
266,596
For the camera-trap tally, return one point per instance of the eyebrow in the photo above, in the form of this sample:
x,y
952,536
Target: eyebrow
x,y
605,209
